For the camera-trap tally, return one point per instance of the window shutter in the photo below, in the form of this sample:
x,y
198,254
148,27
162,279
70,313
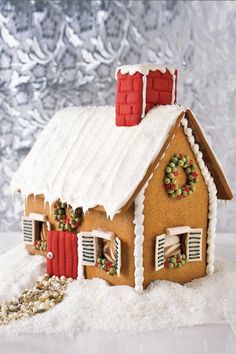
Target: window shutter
x,y
194,245
118,256
28,230
159,257
87,248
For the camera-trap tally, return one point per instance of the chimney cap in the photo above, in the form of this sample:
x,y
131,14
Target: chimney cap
x,y
143,68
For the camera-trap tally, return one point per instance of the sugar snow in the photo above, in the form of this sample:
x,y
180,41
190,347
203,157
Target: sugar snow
x,y
94,305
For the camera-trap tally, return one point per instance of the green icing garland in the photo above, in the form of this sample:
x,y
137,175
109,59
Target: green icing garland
x,y
107,266
64,222
180,160
176,261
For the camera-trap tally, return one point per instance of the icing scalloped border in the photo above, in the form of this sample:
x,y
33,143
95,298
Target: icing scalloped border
x,y
212,192
139,238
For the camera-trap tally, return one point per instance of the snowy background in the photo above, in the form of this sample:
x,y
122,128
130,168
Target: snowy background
x,y
59,53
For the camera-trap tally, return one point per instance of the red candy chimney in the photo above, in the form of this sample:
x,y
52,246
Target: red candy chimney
x,y
140,88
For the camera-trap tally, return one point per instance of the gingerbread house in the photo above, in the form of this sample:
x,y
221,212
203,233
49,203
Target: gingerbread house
x,y
127,193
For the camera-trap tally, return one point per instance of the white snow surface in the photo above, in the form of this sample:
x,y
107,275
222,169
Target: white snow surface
x,y
83,158
94,305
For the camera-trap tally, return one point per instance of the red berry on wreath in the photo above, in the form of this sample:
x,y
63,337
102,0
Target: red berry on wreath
x,y
194,174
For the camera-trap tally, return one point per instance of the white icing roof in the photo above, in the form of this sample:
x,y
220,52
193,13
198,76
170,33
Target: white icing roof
x,y
83,158
143,69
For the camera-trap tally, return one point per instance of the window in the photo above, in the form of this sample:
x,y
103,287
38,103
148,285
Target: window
x,y
34,229
28,230
177,246
101,249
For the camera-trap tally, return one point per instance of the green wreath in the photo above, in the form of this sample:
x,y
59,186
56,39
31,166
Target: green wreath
x,y
64,222
171,187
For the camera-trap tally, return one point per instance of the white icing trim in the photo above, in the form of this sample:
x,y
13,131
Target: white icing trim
x,y
143,69
80,257
139,238
212,191
173,89
144,96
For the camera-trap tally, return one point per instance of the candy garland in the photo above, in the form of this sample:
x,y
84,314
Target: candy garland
x,y
63,221
176,261
180,160
107,266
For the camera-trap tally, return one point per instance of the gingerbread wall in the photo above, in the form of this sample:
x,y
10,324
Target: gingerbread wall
x,y
162,212
122,225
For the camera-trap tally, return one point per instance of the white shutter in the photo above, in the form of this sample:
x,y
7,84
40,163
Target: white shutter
x,y
118,256
87,248
194,245
159,256
28,230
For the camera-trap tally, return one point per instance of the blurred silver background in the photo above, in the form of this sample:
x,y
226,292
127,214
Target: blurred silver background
x,y
59,53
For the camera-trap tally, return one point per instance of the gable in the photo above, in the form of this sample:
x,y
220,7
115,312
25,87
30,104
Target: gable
x,y
162,212
223,189
157,197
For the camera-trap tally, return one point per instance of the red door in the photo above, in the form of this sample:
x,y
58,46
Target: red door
x,y
62,254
